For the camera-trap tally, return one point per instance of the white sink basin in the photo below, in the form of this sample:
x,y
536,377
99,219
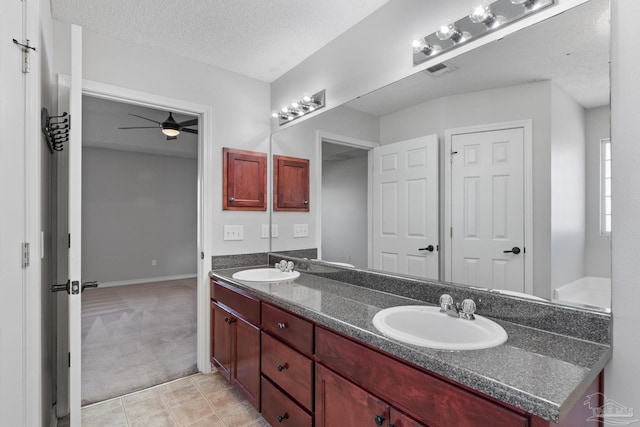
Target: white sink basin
x,y
426,326
265,275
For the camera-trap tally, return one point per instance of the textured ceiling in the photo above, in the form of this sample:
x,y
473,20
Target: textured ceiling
x,y
262,39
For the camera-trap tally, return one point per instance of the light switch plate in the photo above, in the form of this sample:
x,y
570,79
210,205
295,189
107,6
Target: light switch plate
x,y
233,232
265,231
274,230
300,230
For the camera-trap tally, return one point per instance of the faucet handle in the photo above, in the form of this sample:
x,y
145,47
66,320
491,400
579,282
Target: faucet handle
x,y
468,308
290,266
445,301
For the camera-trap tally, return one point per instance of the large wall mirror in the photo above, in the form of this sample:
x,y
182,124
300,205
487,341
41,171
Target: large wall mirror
x,y
490,171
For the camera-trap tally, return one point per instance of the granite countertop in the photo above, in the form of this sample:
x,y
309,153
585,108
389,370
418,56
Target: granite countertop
x,y
540,372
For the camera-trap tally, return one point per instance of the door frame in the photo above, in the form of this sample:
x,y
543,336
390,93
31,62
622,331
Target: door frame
x,y
205,203
527,126
348,141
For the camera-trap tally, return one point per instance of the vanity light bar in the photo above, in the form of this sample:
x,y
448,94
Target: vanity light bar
x,y
482,19
297,109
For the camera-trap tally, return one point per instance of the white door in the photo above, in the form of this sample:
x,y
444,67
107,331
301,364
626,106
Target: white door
x,y
12,216
487,209
405,207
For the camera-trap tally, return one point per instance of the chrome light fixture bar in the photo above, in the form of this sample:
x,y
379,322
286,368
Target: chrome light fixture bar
x,y
297,109
484,18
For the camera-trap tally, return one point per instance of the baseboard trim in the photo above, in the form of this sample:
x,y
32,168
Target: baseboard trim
x,y
147,280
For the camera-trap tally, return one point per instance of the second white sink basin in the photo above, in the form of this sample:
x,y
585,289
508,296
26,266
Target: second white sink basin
x,y
265,275
426,326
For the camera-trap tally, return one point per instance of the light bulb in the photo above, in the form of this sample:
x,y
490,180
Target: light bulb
x,y
420,45
284,109
295,105
171,132
307,97
446,30
275,114
481,13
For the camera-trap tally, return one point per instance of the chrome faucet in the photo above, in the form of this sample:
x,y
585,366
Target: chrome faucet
x,y
463,311
285,266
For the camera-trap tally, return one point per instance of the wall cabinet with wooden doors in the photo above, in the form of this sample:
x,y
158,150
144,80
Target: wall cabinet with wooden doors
x,y
244,180
235,339
290,184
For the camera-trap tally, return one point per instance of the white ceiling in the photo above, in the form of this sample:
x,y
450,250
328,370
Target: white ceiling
x,y
262,39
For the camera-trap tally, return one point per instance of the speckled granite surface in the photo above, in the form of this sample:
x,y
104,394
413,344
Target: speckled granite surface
x,y
540,372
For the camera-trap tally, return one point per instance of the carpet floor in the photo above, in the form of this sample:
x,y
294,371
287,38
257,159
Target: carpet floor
x,y
137,336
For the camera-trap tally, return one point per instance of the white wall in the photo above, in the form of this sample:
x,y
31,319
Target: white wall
x,y
598,248
300,140
240,110
138,207
345,213
568,202
622,372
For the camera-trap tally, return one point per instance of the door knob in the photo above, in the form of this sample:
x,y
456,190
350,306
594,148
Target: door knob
x,y
515,250
429,248
62,287
379,420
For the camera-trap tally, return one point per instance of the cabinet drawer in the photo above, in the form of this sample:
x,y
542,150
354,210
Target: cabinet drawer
x,y
292,371
275,404
245,306
292,329
413,391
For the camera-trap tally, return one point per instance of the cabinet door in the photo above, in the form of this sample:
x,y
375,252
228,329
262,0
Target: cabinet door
x,y
341,403
398,419
221,339
290,184
244,180
246,360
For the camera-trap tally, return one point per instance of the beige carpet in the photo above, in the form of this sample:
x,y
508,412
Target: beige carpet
x,y
137,336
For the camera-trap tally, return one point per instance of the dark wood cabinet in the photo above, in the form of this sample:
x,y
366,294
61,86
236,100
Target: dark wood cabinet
x,y
244,176
341,403
290,184
298,371
235,347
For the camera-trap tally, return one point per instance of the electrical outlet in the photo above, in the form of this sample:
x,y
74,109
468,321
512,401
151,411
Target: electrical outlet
x,y
154,262
233,232
265,231
300,230
274,230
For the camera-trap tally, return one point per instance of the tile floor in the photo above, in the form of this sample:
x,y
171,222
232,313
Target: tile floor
x,y
197,400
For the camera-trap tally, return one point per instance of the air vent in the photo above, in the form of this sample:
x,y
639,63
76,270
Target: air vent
x,y
440,69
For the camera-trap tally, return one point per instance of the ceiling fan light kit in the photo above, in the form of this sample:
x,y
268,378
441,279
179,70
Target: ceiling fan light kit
x,y
170,127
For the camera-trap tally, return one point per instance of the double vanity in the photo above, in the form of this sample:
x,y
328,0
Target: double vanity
x,y
340,346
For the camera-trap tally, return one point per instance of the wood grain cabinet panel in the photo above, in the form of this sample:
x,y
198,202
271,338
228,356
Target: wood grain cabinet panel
x,y
290,370
341,403
292,329
244,178
279,410
290,184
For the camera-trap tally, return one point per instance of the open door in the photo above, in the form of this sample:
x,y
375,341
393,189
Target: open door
x,y
70,169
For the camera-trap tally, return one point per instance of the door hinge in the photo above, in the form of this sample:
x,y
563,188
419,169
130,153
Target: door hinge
x,y
69,358
450,231
69,241
26,256
26,50
201,255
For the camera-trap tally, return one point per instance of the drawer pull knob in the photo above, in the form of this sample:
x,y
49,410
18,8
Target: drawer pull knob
x,y
282,367
281,418
281,325
379,420
229,320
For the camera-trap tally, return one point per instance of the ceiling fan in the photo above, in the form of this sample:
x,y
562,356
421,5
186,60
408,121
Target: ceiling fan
x,y
170,127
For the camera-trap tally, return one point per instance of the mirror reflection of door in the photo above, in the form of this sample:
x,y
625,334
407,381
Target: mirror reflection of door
x,y
487,244
405,207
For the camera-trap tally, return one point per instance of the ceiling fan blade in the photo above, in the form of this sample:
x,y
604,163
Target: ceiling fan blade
x,y
189,130
135,115
192,122
140,127
170,138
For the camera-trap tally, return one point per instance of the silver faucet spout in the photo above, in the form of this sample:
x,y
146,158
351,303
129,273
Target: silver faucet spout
x,y
452,310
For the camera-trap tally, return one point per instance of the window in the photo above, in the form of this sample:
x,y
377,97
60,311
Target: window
x,y
605,186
